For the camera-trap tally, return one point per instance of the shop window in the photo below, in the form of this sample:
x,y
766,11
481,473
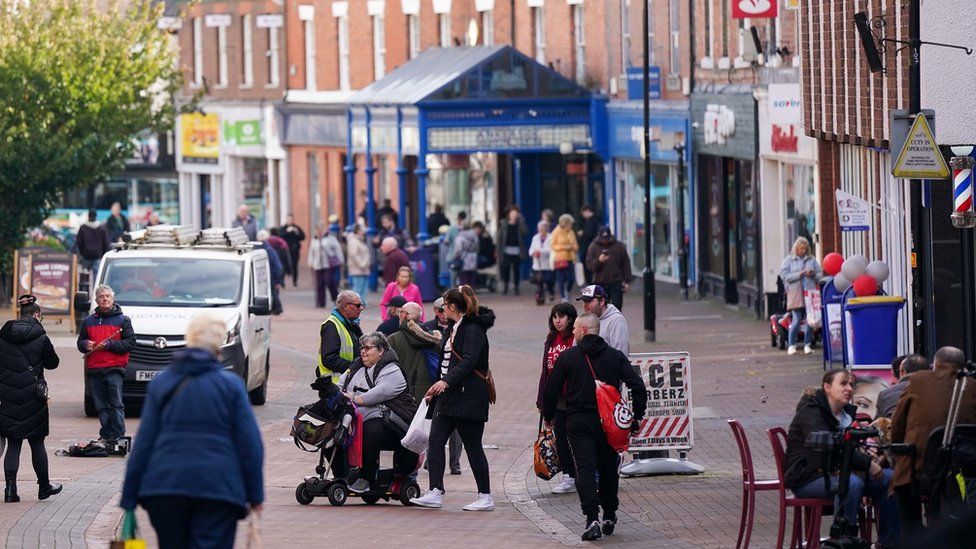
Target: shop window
x,y
254,180
800,205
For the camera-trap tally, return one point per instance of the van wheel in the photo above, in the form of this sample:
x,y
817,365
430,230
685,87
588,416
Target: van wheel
x,y
259,395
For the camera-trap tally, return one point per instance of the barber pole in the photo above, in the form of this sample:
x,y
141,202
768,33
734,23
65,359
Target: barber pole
x,y
963,216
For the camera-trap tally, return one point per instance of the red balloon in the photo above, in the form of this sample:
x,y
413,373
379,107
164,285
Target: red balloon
x,y
865,285
832,263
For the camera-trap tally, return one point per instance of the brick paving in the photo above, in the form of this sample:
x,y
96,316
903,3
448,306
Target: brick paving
x,y
735,374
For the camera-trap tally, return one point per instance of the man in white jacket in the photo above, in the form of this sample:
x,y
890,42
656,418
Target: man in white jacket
x,y
613,325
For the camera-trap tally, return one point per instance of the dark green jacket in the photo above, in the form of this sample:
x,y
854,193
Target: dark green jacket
x,y
410,342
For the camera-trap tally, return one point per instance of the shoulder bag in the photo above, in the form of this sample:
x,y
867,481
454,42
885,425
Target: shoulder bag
x,y
616,416
486,377
41,390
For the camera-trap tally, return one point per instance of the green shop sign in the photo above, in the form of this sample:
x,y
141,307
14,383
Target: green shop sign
x,y
242,132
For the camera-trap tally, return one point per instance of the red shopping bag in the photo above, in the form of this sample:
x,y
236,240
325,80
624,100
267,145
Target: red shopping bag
x,y
354,454
615,413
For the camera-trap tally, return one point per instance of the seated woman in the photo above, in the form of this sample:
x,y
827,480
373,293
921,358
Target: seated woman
x,y
373,380
829,409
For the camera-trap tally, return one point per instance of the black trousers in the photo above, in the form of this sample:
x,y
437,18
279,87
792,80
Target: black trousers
x,y
593,455
11,462
471,432
376,438
563,452
510,267
192,523
295,253
910,513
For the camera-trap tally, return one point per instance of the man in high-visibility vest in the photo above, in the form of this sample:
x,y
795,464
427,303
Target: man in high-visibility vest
x,y
339,336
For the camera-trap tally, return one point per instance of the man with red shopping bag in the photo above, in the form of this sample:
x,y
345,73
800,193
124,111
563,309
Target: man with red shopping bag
x,y
597,418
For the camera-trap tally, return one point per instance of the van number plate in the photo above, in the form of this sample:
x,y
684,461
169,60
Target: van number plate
x,y
146,375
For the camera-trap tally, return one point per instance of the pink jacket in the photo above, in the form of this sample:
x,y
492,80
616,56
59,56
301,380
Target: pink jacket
x,y
412,293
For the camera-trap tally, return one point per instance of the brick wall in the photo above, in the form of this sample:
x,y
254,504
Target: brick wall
x,y
829,167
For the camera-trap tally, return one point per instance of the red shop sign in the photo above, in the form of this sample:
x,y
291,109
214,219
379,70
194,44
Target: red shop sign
x,y
756,9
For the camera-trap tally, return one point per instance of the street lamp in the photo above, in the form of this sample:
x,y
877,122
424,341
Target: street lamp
x,y
679,149
650,296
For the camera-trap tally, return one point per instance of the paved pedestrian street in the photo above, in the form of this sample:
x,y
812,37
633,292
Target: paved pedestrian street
x,y
735,374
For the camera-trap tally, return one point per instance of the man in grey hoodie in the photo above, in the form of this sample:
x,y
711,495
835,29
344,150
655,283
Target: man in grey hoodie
x,y
613,325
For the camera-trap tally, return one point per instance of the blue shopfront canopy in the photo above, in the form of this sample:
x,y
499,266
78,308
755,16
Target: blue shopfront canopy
x,y
466,100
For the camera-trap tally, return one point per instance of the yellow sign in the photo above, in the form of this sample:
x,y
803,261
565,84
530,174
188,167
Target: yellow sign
x,y
914,261
920,158
199,138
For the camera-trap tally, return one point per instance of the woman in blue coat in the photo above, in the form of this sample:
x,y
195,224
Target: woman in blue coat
x,y
799,272
196,465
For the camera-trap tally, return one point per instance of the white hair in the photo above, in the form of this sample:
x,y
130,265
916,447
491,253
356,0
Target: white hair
x,y
389,242
104,288
543,225
263,235
413,310
346,296
206,331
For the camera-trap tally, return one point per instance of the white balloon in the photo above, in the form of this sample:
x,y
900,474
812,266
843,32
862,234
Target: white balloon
x,y
879,271
841,282
854,267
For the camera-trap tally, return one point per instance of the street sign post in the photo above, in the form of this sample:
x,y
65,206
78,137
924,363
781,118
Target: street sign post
x,y
920,157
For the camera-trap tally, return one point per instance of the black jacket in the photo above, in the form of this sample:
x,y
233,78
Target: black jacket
x,y
466,396
329,344
389,326
588,233
92,241
813,414
23,345
572,371
293,235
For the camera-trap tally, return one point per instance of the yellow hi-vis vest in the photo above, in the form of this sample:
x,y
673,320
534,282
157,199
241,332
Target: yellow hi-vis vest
x,y
346,348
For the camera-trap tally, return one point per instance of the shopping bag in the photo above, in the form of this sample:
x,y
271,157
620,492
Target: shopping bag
x,y
616,416
127,537
354,453
580,274
417,434
546,462
794,297
811,302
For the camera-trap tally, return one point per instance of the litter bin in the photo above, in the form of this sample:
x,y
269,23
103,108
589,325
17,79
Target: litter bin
x,y
871,331
425,271
831,303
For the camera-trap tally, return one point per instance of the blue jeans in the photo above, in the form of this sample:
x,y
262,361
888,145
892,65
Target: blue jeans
x,y
564,280
877,490
798,316
105,386
358,284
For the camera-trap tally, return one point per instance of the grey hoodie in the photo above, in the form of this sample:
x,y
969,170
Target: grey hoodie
x,y
614,329
387,385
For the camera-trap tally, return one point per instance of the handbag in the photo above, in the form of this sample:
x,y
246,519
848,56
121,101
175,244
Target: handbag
x,y
486,377
546,461
794,297
41,390
560,264
616,416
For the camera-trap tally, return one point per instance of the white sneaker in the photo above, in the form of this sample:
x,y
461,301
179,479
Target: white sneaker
x,y
566,486
807,349
791,350
433,499
483,503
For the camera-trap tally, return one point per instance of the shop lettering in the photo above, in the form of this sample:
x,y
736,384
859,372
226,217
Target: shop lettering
x,y
719,124
656,376
782,141
660,394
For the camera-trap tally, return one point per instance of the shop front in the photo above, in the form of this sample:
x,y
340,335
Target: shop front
x,y
229,156
672,199
485,128
788,183
724,140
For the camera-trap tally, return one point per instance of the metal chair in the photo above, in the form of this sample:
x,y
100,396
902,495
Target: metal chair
x,y
810,509
749,485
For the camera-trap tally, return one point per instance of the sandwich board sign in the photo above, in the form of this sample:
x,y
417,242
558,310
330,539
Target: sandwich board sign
x,y
920,157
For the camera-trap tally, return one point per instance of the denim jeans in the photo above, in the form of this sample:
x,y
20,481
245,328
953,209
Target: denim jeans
x,y
105,386
358,284
564,280
877,490
798,316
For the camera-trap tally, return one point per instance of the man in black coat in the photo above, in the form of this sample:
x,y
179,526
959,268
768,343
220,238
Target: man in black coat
x,y
585,236
293,235
575,370
92,242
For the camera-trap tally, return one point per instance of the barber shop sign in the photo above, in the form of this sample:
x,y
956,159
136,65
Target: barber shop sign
x,y
754,9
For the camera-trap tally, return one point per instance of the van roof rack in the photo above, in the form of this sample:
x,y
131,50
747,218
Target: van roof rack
x,y
184,236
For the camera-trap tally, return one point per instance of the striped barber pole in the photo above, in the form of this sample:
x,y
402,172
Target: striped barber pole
x,y
962,193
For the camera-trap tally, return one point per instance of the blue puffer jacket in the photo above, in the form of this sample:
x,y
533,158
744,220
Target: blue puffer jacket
x,y
204,444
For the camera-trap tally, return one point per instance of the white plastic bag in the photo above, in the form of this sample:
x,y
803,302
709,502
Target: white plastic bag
x,y
416,438
579,274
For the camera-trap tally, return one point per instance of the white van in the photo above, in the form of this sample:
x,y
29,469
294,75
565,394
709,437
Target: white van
x,y
166,275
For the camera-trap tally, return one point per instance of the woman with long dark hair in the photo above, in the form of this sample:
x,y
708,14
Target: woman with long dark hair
x,y
25,352
459,399
561,320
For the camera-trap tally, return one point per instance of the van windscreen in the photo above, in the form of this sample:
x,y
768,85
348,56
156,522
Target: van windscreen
x,y
174,282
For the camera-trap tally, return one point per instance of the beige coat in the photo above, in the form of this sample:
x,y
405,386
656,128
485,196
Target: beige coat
x,y
564,245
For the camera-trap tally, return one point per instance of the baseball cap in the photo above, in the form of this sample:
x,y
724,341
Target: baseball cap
x,y
396,301
592,291
439,303
604,231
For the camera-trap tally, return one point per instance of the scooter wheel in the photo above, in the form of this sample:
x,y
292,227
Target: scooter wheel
x,y
302,495
408,491
337,494
371,500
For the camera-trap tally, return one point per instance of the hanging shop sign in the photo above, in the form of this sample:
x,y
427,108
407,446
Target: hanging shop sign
x,y
754,9
199,138
667,425
853,213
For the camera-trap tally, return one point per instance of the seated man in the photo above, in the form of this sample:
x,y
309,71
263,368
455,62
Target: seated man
x,y
888,399
829,408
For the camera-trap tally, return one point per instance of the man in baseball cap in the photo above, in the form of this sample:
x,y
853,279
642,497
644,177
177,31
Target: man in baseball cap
x,y
609,261
392,323
613,326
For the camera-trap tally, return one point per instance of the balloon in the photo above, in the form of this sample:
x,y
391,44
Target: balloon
x,y
865,285
841,283
879,271
854,267
832,263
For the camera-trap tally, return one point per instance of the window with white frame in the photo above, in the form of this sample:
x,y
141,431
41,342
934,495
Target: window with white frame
x,y
309,54
675,32
247,51
444,20
579,42
343,24
379,46
625,34
709,29
539,34
488,28
272,55
221,56
197,51
413,35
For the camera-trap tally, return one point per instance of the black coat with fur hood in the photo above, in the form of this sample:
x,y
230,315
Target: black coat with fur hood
x,y
466,396
25,352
